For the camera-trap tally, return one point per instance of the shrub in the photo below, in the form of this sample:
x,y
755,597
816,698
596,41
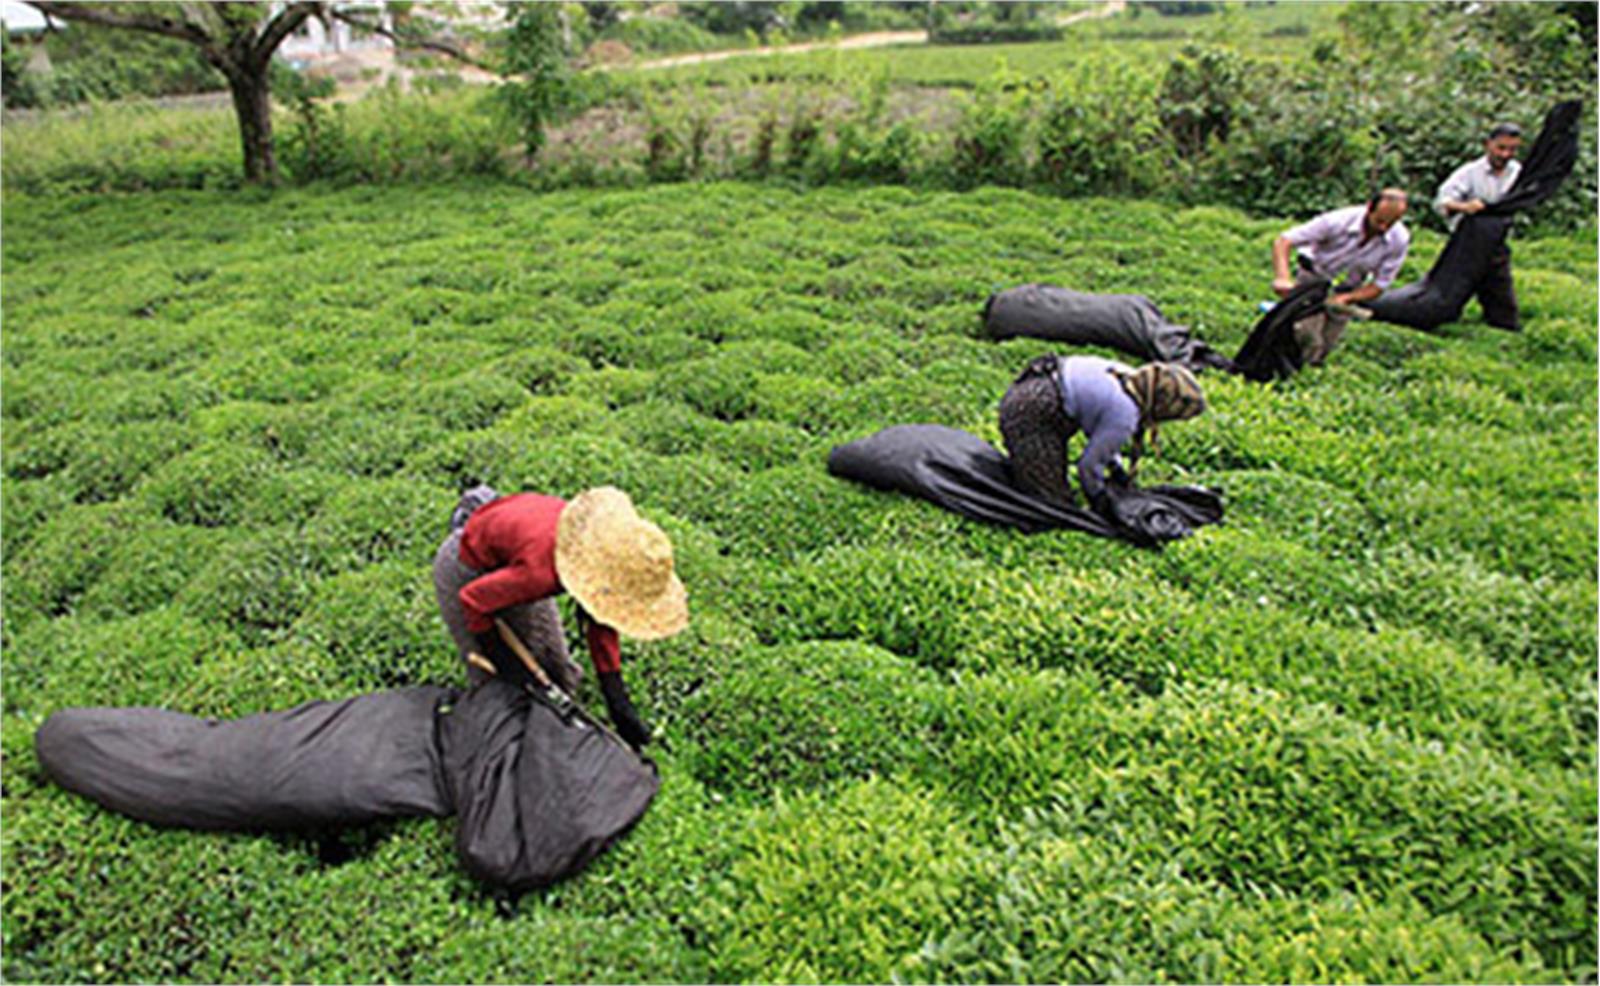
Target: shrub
x,y
68,554
258,588
842,893
147,571
387,520
208,485
803,716
380,627
97,463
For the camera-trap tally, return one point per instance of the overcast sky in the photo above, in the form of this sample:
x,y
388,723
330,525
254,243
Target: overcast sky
x,y
17,14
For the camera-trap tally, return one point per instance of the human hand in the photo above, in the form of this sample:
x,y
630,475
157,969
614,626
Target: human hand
x,y
624,716
1472,206
1283,286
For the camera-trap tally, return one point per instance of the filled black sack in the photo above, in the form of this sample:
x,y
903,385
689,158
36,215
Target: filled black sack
x,y
1271,351
541,789
319,764
1440,296
1129,322
963,473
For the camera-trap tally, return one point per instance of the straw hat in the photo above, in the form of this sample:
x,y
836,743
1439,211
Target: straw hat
x,y
619,566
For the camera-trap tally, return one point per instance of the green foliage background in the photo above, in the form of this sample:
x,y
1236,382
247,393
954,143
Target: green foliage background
x,y
1281,109
1349,735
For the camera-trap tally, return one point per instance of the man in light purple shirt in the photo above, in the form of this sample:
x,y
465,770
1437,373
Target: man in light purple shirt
x,y
1359,247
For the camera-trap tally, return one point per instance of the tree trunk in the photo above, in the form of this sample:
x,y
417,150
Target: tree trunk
x,y
252,101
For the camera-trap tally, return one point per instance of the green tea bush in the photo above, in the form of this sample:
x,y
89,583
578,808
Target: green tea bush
x,y
837,892
797,717
472,400
537,369
68,554
1346,735
209,485
98,463
1433,823
259,587
394,520
28,503
1085,909
759,445
380,627
150,658
145,572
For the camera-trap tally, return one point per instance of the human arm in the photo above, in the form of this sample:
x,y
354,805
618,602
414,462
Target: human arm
x,y
1282,279
605,649
494,591
1100,454
1365,292
1455,196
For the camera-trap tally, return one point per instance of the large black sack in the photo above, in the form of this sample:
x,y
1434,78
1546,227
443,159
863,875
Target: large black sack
x,y
1271,351
318,764
963,473
1129,322
541,789
1440,296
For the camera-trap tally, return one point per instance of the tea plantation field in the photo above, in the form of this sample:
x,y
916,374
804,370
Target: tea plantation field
x,y
1349,735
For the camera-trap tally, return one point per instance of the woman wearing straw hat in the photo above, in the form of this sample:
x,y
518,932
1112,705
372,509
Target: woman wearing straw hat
x,y
1111,403
507,557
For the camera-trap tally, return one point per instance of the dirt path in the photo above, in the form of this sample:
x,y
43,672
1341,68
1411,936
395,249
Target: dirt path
x,y
878,39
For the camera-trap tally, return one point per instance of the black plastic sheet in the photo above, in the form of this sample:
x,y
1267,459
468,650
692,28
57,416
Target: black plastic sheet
x,y
1271,351
963,473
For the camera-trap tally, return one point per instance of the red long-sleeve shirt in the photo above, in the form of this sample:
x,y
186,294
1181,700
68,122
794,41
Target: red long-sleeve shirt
x,y
512,540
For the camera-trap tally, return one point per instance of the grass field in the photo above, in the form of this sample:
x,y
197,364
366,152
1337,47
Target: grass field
x,y
1261,30
1349,735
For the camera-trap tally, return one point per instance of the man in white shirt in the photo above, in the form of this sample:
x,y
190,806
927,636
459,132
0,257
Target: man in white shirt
x,y
1364,245
1478,183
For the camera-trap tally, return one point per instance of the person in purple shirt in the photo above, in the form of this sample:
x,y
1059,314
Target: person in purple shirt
x,y
1358,248
1112,403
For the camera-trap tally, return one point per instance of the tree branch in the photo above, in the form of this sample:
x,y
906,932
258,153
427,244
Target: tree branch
x,y
409,40
283,25
122,16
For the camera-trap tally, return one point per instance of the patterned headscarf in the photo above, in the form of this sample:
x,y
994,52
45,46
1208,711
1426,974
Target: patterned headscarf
x,y
1164,392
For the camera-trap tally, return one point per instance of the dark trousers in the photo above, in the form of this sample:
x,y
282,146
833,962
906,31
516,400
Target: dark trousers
x,y
1498,295
1035,429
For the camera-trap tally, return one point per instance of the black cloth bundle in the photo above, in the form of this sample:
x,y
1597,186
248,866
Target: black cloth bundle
x,y
963,473
1439,297
1129,322
540,788
1271,351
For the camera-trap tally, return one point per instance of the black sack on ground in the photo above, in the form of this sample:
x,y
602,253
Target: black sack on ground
x,y
540,793
1440,296
540,790
1271,351
320,764
965,474
1129,322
